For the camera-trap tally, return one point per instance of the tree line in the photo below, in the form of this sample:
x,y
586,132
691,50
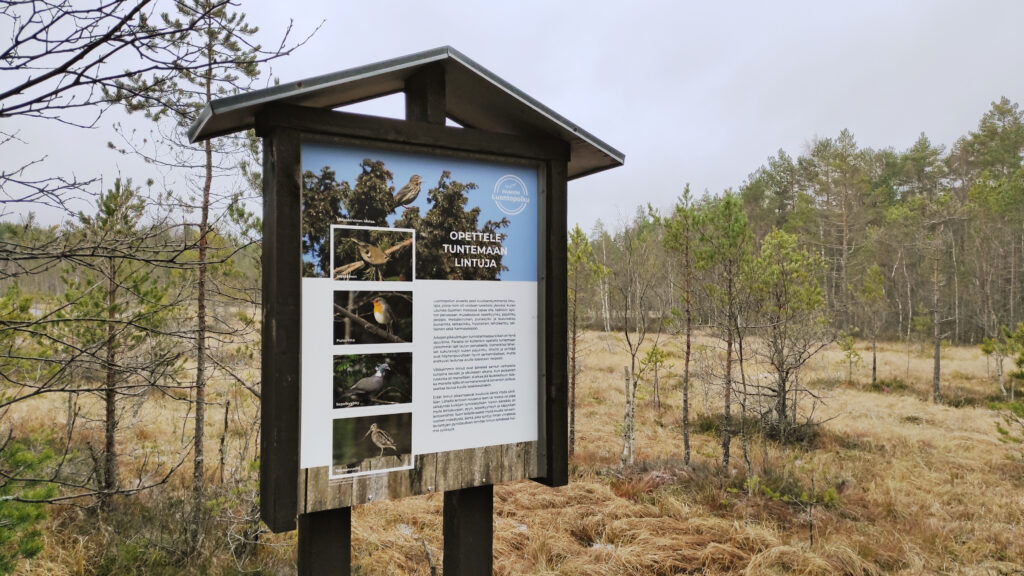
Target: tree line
x,y
923,246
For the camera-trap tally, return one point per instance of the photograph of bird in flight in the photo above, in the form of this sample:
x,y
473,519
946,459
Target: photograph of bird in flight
x,y
371,444
372,379
372,317
372,253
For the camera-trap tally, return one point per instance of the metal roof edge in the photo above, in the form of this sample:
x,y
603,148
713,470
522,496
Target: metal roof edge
x,y
534,103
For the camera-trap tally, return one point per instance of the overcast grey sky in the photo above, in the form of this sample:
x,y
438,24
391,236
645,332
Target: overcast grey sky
x,y
698,92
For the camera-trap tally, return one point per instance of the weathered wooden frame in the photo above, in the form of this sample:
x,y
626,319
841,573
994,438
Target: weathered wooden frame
x,y
284,494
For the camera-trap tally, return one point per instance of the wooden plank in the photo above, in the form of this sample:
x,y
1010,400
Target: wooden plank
x,y
426,95
423,477
377,487
472,464
534,465
449,473
400,484
360,490
316,489
469,531
325,543
491,465
512,467
340,494
279,406
334,123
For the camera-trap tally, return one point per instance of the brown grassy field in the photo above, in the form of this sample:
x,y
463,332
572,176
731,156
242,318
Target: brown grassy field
x,y
890,484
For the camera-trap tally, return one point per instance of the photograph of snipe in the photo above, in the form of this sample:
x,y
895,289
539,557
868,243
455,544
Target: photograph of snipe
x,y
372,317
371,253
371,443
372,379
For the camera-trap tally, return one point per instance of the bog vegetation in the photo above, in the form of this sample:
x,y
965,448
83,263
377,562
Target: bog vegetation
x,y
815,373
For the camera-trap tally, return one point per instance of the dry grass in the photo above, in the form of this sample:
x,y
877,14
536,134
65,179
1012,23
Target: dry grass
x,y
916,488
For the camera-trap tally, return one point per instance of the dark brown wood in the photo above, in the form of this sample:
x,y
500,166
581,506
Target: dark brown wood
x,y
554,443
469,531
279,408
375,129
325,543
426,95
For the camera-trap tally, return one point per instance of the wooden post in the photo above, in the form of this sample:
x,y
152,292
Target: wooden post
x,y
554,443
325,543
282,271
469,531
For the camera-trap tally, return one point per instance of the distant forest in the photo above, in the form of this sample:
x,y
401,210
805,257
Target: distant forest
x,y
912,243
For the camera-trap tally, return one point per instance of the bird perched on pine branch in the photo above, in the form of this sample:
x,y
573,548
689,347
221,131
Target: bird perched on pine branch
x,y
382,313
381,438
371,254
408,193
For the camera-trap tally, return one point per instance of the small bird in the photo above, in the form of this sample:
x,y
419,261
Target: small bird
x,y
381,438
382,313
371,254
407,195
370,385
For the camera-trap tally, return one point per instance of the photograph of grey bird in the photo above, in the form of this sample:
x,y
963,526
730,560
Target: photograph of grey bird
x,y
407,195
382,313
381,438
371,385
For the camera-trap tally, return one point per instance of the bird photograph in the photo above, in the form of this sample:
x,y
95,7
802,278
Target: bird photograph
x,y
408,193
372,254
380,438
366,443
372,379
372,317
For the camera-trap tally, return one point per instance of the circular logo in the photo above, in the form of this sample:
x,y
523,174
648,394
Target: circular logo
x,y
510,194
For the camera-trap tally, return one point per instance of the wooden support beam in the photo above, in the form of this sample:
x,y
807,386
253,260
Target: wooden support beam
x,y
282,273
426,95
554,443
469,531
325,543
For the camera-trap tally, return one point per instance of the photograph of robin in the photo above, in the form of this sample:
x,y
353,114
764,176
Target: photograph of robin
x,y
371,443
372,254
372,379
372,317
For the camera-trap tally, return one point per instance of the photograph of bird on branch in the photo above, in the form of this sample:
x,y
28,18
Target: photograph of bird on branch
x,y
371,444
372,379
371,253
353,197
372,317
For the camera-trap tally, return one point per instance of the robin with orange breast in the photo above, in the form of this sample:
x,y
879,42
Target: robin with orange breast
x,y
382,313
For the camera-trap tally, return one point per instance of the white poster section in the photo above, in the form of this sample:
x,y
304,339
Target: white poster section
x,y
473,343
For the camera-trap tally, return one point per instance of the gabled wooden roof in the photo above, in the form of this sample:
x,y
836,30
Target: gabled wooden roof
x,y
475,98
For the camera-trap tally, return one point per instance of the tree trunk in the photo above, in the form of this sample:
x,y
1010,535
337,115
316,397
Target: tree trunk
x,y
999,373
606,313
657,392
686,372
744,441
936,333
726,412
627,428
874,359
573,339
108,485
199,436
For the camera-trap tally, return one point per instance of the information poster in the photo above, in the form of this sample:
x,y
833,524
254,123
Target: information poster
x,y
419,306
